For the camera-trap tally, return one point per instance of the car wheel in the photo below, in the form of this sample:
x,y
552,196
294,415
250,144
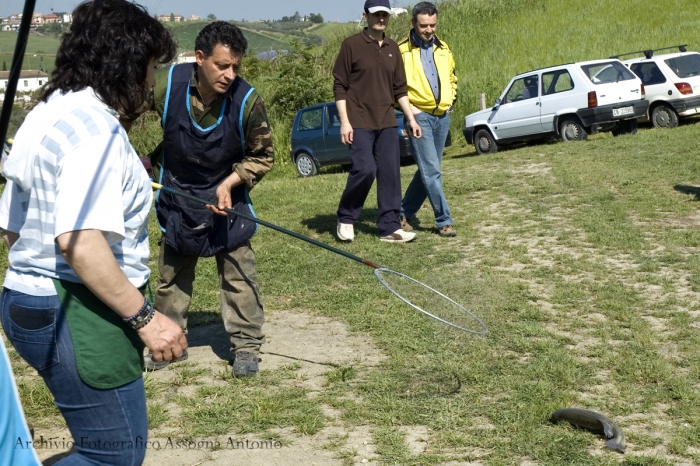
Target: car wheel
x,y
572,130
484,143
305,165
625,127
664,116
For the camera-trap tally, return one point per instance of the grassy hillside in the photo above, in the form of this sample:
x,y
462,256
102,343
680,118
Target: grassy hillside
x,y
330,30
40,51
258,41
492,40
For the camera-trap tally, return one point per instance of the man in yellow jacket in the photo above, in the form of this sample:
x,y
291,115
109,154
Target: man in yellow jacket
x,y
432,89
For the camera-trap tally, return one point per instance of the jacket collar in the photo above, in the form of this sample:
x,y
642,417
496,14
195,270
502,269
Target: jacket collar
x,y
416,41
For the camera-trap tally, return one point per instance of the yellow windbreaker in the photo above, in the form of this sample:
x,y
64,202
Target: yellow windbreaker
x,y
419,92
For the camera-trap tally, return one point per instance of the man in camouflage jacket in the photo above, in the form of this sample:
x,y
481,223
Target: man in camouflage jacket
x,y
217,145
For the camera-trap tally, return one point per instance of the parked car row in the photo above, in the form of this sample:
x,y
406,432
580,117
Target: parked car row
x,y
316,139
574,100
672,83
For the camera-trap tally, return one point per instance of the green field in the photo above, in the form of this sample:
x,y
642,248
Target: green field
x,y
330,30
186,33
40,51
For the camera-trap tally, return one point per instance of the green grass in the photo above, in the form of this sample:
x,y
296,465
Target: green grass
x,y
40,51
330,30
582,259
186,33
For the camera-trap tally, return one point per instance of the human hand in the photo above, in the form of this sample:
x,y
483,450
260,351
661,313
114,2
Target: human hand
x,y
163,338
346,133
223,195
416,131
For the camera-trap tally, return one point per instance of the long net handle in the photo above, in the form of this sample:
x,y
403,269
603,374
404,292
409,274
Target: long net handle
x,y
269,225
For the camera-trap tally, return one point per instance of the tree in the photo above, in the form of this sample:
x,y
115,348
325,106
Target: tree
x,y
172,17
297,17
4,66
285,19
211,17
315,18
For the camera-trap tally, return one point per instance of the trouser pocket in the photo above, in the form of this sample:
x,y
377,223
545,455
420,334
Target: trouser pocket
x,y
32,332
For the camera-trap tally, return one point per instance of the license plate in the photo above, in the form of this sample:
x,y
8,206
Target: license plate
x,y
623,111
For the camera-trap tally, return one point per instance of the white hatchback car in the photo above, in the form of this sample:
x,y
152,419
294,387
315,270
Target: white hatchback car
x,y
568,101
672,83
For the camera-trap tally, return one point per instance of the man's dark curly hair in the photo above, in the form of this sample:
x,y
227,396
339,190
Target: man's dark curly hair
x,y
108,48
220,32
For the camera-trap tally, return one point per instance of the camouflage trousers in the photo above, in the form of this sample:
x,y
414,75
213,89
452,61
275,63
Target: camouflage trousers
x,y
241,309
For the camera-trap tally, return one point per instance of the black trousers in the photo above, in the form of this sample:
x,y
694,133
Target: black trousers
x,y
374,154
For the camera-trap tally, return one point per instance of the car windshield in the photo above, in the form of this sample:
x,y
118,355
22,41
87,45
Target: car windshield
x,y
607,72
685,66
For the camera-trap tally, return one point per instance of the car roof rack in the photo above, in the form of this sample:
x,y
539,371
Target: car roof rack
x,y
650,53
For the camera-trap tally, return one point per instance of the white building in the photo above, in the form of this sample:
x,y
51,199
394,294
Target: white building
x,y
29,80
186,57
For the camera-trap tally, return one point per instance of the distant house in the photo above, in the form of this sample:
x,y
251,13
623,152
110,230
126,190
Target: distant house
x,y
186,57
167,18
51,18
37,20
11,25
29,80
67,18
194,18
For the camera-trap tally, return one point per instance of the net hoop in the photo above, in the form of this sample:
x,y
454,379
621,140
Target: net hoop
x,y
378,273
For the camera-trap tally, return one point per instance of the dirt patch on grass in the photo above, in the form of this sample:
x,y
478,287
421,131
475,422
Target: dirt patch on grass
x,y
313,344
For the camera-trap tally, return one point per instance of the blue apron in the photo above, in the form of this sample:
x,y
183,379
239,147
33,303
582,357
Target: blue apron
x,y
196,160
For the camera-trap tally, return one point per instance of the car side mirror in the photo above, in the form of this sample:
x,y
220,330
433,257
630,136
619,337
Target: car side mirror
x,y
498,103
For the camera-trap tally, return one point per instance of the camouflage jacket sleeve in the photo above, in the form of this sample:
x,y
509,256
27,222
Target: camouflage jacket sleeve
x,y
259,153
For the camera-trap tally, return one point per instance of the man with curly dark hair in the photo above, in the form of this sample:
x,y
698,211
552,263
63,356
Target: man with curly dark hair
x,y
75,213
216,145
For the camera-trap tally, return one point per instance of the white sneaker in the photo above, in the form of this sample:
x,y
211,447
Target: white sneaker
x,y
399,236
346,232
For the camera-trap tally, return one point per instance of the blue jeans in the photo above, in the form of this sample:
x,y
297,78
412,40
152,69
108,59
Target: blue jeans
x,y
109,427
427,182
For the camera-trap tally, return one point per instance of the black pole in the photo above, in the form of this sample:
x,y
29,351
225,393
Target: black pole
x,y
16,68
271,225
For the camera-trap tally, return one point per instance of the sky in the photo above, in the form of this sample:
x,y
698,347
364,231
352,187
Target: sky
x,y
331,10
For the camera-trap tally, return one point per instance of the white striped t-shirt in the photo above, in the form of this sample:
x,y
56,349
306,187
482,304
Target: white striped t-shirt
x,y
72,168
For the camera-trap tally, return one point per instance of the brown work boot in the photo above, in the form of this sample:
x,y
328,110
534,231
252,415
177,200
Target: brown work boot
x,y
405,224
447,231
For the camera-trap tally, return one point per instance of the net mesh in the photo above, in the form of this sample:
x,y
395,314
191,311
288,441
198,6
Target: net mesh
x,y
429,301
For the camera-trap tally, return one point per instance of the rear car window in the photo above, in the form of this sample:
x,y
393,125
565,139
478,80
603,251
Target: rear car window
x,y
649,73
607,72
333,119
311,119
685,66
556,81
